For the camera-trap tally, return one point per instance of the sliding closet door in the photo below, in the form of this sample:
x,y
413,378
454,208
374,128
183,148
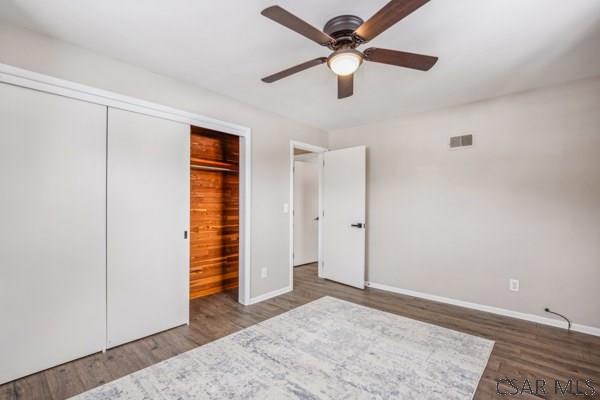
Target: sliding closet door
x,y
52,230
148,220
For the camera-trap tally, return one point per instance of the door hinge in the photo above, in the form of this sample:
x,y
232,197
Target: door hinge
x,y
323,163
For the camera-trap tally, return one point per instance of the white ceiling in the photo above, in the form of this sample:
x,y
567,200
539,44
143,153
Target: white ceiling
x,y
486,48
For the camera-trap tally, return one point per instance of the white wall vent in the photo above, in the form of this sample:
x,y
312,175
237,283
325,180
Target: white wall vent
x,y
461,141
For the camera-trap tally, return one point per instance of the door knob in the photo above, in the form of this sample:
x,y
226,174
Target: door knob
x,y
358,225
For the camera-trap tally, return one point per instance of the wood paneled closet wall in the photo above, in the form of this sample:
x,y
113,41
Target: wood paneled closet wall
x,y
214,212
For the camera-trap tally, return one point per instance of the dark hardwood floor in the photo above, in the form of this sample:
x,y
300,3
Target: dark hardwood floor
x,y
523,349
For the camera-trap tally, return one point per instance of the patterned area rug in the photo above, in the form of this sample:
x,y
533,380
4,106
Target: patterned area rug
x,y
327,349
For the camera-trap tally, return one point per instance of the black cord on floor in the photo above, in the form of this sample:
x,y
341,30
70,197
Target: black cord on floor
x,y
560,315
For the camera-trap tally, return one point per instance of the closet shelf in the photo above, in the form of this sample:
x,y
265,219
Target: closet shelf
x,y
213,165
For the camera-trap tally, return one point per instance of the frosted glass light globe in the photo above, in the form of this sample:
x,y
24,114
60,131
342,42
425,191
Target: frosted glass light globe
x,y
345,62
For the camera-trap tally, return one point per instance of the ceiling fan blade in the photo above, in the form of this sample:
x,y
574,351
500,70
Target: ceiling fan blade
x,y
294,23
391,13
294,70
345,86
400,58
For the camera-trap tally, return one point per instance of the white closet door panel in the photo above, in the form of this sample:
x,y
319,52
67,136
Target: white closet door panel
x,y
148,212
52,230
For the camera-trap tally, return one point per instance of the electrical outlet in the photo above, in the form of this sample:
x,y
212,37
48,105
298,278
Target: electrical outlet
x,y
263,272
513,285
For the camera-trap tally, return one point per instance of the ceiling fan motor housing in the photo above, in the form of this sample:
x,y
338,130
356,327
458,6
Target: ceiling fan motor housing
x,y
342,28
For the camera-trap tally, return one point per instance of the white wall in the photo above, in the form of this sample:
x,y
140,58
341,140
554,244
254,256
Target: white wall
x,y
270,140
306,209
523,203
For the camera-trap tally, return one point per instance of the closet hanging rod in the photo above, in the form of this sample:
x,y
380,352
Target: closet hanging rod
x,y
207,168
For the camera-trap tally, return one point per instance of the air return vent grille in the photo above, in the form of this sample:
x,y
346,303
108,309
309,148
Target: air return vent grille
x,y
461,141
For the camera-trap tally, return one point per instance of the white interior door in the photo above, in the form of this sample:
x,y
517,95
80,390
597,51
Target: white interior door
x,y
148,213
306,211
52,230
343,219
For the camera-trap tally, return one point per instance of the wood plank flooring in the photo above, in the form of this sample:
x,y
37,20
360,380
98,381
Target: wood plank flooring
x,y
523,349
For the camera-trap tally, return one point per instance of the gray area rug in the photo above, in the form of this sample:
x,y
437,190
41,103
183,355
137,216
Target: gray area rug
x,y
327,349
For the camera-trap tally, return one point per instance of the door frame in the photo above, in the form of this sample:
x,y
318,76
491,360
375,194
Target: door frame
x,y
313,149
44,83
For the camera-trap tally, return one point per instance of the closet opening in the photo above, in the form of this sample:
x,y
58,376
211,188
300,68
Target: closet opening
x,y
214,213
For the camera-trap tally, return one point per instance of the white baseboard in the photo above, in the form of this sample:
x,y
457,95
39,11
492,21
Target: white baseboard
x,y
590,330
269,295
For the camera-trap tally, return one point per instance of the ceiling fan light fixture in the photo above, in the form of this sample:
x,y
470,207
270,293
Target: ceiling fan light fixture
x,y
344,34
345,62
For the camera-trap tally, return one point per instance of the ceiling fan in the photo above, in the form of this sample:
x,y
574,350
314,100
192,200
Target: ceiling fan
x,y
343,34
